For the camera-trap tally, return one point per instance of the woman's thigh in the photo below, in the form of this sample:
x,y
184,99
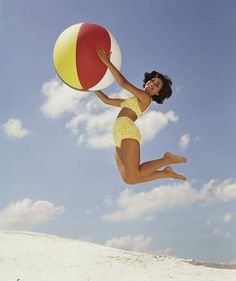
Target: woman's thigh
x,y
119,162
130,155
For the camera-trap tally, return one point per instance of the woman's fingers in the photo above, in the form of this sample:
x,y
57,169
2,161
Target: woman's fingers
x,y
101,51
103,55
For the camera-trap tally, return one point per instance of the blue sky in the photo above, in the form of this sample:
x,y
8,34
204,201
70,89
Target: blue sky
x,y
58,173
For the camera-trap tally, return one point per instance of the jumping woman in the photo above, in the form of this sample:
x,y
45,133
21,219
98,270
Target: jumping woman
x,y
127,137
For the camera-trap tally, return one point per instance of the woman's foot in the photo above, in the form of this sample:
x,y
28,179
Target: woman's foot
x,y
171,174
171,158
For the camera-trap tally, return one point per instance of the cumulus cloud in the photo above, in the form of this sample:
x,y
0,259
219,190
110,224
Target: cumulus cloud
x,y
143,205
59,98
94,131
228,217
153,122
25,213
93,121
138,243
13,128
133,205
216,191
184,141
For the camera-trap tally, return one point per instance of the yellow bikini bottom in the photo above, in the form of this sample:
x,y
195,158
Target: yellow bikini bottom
x,y
124,128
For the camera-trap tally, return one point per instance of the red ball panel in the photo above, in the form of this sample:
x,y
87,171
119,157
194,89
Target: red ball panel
x,y
90,68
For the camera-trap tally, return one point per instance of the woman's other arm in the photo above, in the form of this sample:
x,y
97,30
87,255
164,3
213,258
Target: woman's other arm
x,y
107,100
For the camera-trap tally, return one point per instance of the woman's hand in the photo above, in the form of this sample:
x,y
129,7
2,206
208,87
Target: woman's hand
x,y
104,57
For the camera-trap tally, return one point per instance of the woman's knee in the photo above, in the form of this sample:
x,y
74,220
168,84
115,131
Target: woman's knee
x,y
131,179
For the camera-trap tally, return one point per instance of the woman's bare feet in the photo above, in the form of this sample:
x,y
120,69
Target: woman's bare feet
x,y
171,174
171,158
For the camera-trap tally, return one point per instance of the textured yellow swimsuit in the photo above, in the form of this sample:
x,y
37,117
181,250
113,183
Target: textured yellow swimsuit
x,y
124,127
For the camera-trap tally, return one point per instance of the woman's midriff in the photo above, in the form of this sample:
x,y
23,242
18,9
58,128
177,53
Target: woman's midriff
x,y
126,112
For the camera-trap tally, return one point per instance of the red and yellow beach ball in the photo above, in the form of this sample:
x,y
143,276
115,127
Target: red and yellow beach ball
x,y
76,60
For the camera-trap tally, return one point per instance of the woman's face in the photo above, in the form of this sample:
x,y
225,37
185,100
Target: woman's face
x,y
153,86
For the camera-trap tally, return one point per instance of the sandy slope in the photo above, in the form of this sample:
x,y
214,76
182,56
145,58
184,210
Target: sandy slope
x,y
40,257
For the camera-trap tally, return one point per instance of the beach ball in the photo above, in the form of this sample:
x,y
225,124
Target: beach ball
x,y
76,60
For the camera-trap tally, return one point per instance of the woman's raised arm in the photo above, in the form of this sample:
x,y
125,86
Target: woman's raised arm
x,y
121,80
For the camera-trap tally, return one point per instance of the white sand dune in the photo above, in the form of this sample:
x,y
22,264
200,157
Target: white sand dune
x,y
40,257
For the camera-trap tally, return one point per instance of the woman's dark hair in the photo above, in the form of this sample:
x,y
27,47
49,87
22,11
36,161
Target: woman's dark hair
x,y
165,91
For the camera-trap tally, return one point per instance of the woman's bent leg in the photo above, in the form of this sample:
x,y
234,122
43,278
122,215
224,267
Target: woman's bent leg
x,y
130,152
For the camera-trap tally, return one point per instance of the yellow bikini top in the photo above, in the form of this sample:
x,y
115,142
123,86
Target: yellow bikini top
x,y
132,103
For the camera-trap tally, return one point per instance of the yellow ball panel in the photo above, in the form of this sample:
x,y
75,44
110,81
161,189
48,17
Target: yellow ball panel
x,y
64,56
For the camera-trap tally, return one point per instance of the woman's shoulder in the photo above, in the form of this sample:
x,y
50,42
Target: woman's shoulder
x,y
145,101
144,104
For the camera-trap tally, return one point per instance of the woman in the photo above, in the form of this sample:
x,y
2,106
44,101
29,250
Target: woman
x,y
157,87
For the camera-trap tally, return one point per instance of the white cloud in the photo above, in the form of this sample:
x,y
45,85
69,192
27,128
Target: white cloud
x,y
216,191
75,121
93,121
184,141
96,129
141,205
22,214
59,98
93,130
13,128
227,217
153,122
132,205
138,243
